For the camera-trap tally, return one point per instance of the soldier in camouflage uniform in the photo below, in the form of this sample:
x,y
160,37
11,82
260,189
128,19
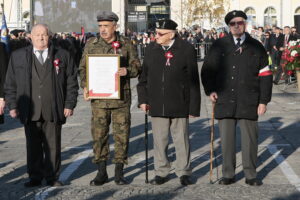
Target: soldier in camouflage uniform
x,y
106,110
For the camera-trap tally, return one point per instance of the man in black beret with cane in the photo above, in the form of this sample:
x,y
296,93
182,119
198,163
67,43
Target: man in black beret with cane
x,y
237,78
169,89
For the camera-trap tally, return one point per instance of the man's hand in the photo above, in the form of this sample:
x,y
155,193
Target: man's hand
x,y
13,113
213,97
192,116
122,71
262,108
68,112
2,105
144,107
86,94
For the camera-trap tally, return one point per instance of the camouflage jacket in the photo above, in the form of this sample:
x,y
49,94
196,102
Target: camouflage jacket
x,y
129,59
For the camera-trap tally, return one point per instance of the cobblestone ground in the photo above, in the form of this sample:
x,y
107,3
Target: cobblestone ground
x,y
278,158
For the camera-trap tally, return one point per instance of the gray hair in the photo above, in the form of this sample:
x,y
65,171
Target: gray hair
x,y
42,25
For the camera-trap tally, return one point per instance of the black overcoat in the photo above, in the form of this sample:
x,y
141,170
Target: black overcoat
x,y
234,75
170,91
3,68
18,83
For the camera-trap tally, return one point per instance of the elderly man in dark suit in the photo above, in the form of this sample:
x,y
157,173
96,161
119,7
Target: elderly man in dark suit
x,y
3,67
169,88
41,90
237,78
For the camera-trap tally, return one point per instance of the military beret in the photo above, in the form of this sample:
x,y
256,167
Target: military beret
x,y
233,14
107,16
166,24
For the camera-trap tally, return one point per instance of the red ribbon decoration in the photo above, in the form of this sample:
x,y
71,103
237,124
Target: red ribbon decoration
x,y
115,45
168,56
56,65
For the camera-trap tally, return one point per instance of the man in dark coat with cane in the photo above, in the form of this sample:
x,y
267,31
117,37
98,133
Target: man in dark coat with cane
x,y
169,88
236,76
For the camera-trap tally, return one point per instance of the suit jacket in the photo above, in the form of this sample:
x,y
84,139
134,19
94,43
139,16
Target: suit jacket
x,y
18,83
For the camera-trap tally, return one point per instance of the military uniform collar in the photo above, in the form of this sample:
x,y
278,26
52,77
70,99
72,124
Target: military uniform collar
x,y
118,38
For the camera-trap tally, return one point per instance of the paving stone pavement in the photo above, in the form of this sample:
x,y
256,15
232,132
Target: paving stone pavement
x,y
278,161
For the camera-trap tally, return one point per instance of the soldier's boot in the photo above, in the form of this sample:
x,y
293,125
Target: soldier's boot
x,y
119,177
101,176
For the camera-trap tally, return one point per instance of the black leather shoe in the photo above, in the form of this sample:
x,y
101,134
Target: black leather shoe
x,y
102,176
121,181
158,180
226,181
99,180
185,180
119,176
33,183
253,182
54,183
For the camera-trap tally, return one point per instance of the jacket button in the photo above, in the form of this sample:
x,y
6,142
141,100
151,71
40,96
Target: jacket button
x,y
39,96
232,77
232,90
233,67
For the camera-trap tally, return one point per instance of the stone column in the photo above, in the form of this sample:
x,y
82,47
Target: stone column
x,y
119,7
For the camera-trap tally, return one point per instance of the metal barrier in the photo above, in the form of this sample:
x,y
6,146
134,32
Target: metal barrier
x,y
201,49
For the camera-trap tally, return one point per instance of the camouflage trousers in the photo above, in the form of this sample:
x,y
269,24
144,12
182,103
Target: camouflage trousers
x,y
101,119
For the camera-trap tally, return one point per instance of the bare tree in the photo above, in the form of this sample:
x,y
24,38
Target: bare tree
x,y
201,10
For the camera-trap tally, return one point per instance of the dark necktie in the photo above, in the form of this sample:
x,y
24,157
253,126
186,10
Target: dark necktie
x,y
238,44
40,56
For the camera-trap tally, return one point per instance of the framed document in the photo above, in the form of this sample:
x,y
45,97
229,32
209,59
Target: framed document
x,y
103,81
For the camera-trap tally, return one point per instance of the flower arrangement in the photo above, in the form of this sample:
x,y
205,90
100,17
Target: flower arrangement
x,y
291,56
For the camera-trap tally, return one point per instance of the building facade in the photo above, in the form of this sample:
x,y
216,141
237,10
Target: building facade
x,y
268,13
136,15
17,13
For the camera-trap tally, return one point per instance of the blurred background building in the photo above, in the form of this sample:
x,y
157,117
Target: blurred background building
x,y
139,15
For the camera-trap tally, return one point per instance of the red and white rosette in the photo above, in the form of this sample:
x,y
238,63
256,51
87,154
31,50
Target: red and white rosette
x,y
56,65
168,56
115,45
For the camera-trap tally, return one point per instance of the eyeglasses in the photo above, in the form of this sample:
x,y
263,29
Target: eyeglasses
x,y
161,34
239,23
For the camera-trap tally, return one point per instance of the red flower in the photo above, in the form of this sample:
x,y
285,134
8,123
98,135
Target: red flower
x,y
56,65
168,56
115,45
289,72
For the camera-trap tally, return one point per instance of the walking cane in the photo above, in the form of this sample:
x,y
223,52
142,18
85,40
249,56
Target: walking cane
x,y
146,145
212,142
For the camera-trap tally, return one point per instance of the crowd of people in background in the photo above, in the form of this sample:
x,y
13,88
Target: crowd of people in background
x,y
272,38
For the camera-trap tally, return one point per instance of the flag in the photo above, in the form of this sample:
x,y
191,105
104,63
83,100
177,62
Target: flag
x,y
4,33
83,38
